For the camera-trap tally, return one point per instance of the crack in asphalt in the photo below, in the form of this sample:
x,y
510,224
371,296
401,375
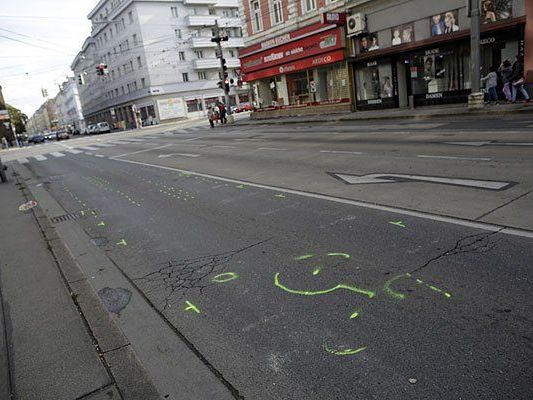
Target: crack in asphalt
x,y
179,276
478,243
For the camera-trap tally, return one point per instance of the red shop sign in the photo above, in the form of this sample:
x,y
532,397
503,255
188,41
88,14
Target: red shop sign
x,y
300,65
323,42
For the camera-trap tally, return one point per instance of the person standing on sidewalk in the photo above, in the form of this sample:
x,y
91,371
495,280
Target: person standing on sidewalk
x,y
506,71
518,79
491,84
211,116
222,110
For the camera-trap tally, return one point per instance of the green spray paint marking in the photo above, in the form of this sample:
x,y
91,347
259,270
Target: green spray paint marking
x,y
317,271
388,289
343,255
398,223
225,277
354,289
354,315
240,187
304,257
280,196
347,352
122,243
83,213
101,223
191,307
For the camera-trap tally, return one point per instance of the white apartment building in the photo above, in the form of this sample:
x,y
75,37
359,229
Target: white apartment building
x,y
68,106
160,59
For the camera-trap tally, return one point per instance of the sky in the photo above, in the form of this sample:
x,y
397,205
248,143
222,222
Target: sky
x,y
53,32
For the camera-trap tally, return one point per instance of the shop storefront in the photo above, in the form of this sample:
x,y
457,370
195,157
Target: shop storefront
x,y
304,68
431,71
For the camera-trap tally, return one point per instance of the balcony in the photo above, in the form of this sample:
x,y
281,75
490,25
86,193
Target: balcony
x,y
205,42
227,3
199,2
209,20
214,63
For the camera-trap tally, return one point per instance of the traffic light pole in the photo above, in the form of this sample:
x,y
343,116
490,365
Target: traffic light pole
x,y
218,40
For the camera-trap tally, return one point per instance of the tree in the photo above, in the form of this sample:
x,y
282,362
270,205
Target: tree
x,y
18,119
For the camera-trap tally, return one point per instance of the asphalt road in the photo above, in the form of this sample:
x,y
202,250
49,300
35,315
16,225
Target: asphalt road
x,y
292,284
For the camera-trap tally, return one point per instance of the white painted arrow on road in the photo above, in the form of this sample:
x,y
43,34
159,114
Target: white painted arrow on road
x,y
396,178
490,143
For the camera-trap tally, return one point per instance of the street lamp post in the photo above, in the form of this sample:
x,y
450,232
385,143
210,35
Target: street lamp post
x,y
476,98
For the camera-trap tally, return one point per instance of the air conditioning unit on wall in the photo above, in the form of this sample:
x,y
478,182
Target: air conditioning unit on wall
x,y
355,24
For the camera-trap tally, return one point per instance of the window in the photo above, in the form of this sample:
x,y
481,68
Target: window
x,y
130,17
139,62
212,11
127,44
277,12
199,53
131,65
202,76
174,11
135,40
231,54
185,77
143,82
257,22
193,11
181,56
135,85
122,89
105,37
308,5
116,92
177,33
194,105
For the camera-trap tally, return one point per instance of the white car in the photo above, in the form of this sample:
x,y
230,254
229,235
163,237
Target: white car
x,y
91,129
102,127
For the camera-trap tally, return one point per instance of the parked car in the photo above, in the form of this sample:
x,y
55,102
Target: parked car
x,y
38,138
103,127
244,107
63,135
50,136
91,129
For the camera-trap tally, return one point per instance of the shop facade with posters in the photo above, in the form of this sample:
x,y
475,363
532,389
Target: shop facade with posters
x,y
300,69
418,53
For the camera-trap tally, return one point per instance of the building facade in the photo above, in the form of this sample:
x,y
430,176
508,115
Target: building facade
x,y
68,107
160,59
300,55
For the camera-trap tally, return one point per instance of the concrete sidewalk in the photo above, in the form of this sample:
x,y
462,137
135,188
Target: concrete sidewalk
x,y
416,113
47,349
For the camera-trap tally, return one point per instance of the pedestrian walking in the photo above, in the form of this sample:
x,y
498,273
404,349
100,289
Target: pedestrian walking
x,y
491,83
506,72
211,116
518,79
222,110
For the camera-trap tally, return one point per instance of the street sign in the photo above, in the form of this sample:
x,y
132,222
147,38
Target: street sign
x,y
398,178
334,18
312,86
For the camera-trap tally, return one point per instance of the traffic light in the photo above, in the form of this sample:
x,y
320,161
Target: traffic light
x,y
224,38
81,79
224,66
226,85
219,84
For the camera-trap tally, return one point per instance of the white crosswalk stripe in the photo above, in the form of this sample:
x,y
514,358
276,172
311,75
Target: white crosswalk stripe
x,y
74,151
40,158
103,144
57,154
88,148
23,161
133,140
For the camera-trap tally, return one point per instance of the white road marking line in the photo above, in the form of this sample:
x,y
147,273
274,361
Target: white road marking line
x,y
416,214
65,145
142,151
119,142
57,154
191,145
455,158
99,155
23,161
150,137
133,140
103,145
74,151
88,148
191,139
224,147
40,158
271,148
89,154
341,152
179,154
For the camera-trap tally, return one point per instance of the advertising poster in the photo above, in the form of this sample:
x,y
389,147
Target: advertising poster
x,y
171,108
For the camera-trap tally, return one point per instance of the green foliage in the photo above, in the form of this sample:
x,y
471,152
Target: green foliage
x,y
18,119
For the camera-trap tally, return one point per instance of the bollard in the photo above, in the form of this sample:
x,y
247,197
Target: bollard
x,y
476,101
3,177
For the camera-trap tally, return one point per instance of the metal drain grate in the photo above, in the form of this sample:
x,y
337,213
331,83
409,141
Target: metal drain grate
x,y
66,217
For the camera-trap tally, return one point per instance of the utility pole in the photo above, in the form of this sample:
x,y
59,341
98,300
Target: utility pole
x,y
475,100
223,68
